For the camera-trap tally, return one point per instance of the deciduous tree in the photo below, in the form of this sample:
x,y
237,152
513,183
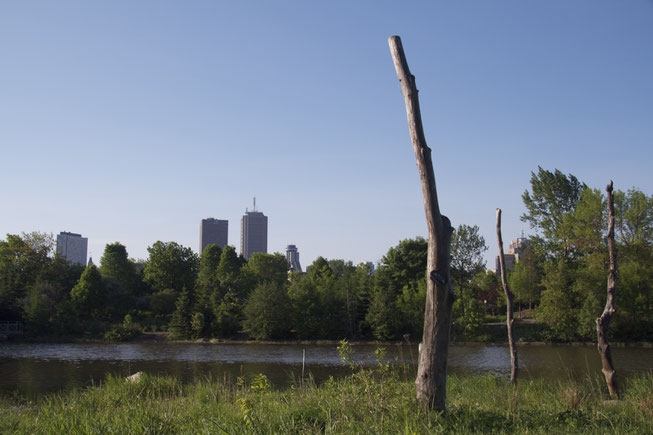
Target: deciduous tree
x,y
171,265
552,199
266,311
467,248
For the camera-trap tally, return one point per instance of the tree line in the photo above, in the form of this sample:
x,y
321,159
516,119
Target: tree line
x,y
560,279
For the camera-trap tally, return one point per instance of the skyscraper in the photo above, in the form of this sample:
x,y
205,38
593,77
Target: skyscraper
x,y
72,247
253,233
513,254
213,231
292,256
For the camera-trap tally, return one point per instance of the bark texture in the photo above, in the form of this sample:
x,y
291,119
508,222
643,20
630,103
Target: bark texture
x,y
603,322
431,382
514,362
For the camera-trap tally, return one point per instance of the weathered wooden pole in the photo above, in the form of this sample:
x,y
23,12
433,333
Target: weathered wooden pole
x,y
603,322
514,362
431,382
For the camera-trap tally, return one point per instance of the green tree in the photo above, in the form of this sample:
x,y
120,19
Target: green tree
x,y
410,304
383,316
89,301
120,279
21,263
180,325
229,272
589,289
164,302
467,248
207,286
305,300
558,307
634,316
228,315
42,243
114,263
197,325
397,277
266,311
207,277
267,267
39,308
88,293
526,277
171,266
470,314
325,300
364,283
589,223
634,218
549,205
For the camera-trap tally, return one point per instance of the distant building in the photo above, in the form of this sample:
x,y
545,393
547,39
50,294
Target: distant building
x,y
513,254
292,256
253,233
72,247
213,231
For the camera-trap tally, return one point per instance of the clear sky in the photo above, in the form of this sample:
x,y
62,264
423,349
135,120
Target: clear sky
x,y
131,121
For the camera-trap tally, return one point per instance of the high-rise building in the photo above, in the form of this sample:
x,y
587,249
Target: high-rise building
x,y
72,247
213,231
513,254
253,233
292,256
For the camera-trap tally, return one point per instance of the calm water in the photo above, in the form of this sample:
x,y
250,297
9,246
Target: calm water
x,y
35,369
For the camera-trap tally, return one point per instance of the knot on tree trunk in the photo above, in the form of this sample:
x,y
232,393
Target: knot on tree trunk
x,y
438,277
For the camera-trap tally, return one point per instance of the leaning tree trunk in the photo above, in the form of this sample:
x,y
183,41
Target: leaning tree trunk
x,y
514,363
431,382
603,322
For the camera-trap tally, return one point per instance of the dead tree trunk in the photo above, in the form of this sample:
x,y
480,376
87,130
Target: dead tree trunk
x,y
514,363
603,322
431,382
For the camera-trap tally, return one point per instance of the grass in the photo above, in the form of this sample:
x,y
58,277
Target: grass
x,y
368,401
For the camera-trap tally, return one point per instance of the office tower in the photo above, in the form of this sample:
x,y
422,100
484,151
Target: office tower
x,y
72,247
292,256
213,231
253,233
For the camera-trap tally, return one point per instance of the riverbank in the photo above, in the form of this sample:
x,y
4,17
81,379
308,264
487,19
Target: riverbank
x,y
164,337
379,401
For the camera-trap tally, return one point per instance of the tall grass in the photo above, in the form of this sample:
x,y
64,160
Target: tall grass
x,y
368,401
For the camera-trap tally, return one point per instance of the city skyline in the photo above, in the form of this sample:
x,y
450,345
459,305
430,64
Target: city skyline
x,y
131,121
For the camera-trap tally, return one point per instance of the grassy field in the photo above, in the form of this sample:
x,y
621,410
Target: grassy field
x,y
370,401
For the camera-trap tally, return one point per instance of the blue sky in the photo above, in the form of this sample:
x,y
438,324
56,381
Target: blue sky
x,y
131,121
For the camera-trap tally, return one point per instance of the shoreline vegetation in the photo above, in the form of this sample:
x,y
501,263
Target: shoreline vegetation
x,y
377,400
559,283
164,337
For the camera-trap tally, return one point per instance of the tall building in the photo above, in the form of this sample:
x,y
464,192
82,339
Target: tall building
x,y
292,256
513,254
72,247
253,233
213,231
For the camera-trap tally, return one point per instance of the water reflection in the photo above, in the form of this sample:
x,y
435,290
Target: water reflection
x,y
35,369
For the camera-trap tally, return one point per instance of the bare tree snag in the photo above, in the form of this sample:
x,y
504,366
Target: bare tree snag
x,y
431,382
603,322
514,363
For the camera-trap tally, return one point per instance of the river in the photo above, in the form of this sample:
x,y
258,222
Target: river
x,y
37,369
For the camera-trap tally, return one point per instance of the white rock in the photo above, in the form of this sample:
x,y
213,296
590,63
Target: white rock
x,y
136,377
